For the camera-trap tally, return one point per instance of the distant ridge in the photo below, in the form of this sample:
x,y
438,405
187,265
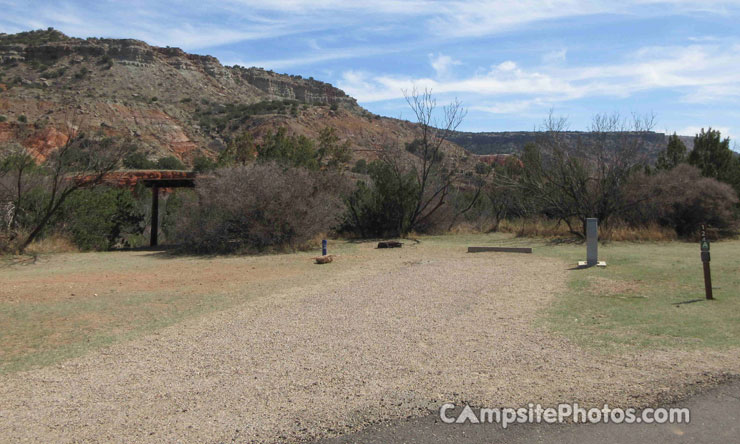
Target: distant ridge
x,y
513,142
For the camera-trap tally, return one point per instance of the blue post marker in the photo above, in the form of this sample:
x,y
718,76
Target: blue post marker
x,y
323,247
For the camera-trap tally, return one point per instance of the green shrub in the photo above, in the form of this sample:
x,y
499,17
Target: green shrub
x,y
482,168
414,146
54,74
289,150
81,73
38,66
231,115
138,161
173,209
107,62
170,163
202,164
3,118
360,167
102,218
22,118
331,151
384,207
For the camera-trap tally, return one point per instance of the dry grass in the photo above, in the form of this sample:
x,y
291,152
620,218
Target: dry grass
x,y
545,228
466,228
534,228
651,233
52,244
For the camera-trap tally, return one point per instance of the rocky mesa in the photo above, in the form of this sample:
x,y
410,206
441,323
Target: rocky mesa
x,y
170,102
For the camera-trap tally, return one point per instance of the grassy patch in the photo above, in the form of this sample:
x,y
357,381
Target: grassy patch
x,y
64,305
43,333
631,304
634,302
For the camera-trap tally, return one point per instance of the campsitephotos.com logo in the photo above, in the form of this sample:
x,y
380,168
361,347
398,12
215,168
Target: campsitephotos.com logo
x,y
535,414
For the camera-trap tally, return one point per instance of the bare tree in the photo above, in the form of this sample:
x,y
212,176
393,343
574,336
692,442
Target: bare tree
x,y
434,175
573,176
16,170
81,162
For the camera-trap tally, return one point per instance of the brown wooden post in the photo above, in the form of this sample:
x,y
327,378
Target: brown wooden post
x,y
708,281
155,215
705,261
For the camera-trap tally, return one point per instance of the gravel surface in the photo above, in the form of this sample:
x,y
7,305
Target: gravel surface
x,y
391,339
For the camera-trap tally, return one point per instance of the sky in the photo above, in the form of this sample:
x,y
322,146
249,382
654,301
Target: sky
x,y
510,62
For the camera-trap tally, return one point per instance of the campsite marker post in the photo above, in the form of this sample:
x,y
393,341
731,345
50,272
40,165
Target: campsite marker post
x,y
705,262
592,242
592,245
323,247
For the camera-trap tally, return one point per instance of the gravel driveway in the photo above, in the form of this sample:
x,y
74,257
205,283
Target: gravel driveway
x,y
392,339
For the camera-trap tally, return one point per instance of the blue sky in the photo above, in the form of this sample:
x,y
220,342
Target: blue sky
x,y
509,62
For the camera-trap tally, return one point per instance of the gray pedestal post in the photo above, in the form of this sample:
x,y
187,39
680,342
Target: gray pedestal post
x,y
592,241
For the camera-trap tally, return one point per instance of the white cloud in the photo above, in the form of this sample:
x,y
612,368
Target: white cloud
x,y
694,130
506,66
555,57
320,56
196,25
368,88
442,64
695,74
156,27
512,107
489,17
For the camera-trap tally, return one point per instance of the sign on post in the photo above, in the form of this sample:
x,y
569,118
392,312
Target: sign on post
x,y
705,259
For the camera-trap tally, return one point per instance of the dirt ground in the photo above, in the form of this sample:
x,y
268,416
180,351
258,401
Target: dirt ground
x,y
383,335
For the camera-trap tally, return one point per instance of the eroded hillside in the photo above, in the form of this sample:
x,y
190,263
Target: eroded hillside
x,y
168,101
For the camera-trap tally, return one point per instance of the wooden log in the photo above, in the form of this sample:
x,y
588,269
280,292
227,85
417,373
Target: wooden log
x,y
499,250
324,259
390,244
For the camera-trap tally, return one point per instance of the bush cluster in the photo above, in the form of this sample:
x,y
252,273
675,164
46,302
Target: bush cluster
x,y
682,199
381,206
258,207
287,149
102,218
220,117
36,37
